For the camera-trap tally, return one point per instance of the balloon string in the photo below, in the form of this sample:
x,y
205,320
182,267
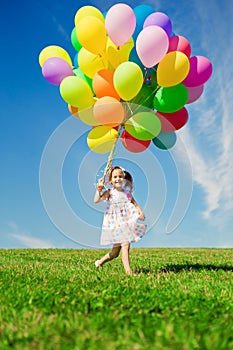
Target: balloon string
x,y
153,92
110,157
142,100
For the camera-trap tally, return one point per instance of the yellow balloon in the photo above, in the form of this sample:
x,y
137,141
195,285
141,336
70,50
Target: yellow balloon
x,y
173,69
54,51
90,63
86,116
76,92
118,54
91,34
128,80
101,139
88,11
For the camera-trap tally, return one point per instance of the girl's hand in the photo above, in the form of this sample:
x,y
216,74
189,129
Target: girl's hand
x,y
141,215
99,196
101,182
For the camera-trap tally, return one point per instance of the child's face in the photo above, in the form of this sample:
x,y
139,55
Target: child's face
x,y
117,179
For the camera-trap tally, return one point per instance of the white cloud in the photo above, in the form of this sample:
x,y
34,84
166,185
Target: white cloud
x,y
208,136
202,173
212,162
61,30
27,239
31,242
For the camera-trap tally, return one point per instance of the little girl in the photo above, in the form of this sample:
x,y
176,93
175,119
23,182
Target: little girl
x,y
120,225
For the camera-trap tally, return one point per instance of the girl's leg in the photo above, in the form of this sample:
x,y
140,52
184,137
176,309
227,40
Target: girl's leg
x,y
125,257
109,256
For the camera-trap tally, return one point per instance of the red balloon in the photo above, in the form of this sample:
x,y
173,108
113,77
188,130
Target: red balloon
x,y
173,121
179,43
132,144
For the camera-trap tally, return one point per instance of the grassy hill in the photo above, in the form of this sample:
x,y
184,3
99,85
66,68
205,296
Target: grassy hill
x,y
56,299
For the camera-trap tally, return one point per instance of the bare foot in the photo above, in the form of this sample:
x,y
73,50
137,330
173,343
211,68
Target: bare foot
x,y
97,264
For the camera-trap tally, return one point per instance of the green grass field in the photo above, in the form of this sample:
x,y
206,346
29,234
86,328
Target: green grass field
x,y
56,299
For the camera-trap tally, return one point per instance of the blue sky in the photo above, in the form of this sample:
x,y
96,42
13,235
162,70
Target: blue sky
x,y
46,206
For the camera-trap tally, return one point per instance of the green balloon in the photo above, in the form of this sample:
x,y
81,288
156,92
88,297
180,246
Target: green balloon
x,y
165,140
170,99
145,97
128,80
76,92
143,126
74,40
79,73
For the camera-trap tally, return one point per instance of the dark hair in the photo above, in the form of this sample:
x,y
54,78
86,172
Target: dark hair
x,y
128,181
111,171
128,176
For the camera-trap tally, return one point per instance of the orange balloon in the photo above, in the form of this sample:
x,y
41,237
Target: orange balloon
x,y
102,84
73,110
109,111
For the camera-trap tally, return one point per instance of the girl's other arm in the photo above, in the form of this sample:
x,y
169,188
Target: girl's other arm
x,y
140,211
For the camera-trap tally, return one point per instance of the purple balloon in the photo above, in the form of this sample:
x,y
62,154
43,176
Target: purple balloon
x,y
194,93
200,71
55,69
159,19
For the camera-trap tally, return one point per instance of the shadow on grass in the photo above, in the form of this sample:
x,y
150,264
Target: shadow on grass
x,y
194,267
176,268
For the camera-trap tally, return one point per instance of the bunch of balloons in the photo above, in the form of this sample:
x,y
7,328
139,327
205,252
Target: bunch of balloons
x,y
131,76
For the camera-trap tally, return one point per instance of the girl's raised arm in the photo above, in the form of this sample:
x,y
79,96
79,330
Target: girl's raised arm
x,y
100,197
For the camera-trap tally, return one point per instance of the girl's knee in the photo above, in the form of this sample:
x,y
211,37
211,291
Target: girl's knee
x,y
114,253
125,246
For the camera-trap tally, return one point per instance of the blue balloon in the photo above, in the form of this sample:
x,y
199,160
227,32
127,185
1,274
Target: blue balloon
x,y
165,140
141,12
75,60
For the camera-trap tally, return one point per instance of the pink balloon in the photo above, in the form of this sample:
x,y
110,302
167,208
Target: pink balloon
x,y
179,43
120,23
159,19
194,93
55,69
173,121
151,45
200,71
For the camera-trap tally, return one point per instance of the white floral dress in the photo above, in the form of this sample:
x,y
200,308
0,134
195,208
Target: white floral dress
x,y
120,223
